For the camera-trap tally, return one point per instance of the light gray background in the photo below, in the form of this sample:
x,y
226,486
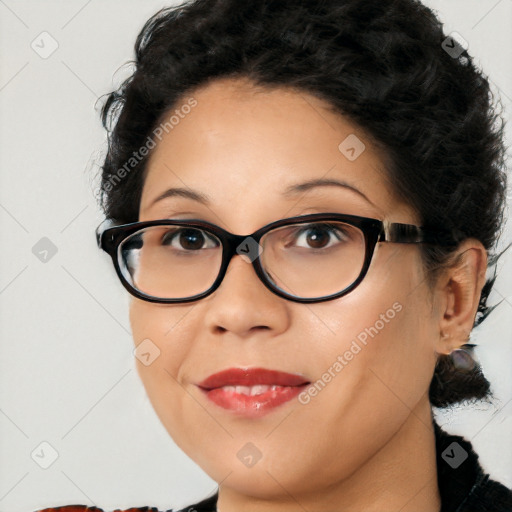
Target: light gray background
x,y
67,372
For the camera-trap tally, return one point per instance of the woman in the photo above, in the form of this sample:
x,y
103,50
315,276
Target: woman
x,y
301,198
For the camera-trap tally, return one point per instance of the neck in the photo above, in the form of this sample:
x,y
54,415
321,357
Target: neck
x,y
401,476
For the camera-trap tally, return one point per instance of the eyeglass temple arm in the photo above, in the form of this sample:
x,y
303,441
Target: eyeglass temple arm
x,y
410,234
99,233
107,223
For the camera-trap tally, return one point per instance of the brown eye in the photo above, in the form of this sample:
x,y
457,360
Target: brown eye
x,y
189,239
318,236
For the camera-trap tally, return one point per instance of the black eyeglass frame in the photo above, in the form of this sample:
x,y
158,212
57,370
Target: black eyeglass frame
x,y
110,237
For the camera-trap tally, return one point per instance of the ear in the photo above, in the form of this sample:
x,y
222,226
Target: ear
x,y
459,290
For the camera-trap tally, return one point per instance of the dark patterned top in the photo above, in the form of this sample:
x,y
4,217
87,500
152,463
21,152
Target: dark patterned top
x,y
463,485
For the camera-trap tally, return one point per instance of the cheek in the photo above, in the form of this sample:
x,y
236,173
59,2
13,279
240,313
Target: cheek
x,y
160,324
397,355
160,353
381,347
187,423
390,319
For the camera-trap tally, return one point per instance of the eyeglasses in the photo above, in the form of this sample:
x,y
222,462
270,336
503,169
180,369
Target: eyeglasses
x,y
310,258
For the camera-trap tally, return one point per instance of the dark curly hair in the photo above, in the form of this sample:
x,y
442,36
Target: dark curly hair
x,y
383,64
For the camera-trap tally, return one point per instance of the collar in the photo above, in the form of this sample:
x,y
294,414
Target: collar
x,y
459,473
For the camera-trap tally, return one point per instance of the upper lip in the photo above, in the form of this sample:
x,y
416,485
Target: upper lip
x,y
251,377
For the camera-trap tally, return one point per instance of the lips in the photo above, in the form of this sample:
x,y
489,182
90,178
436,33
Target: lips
x,y
251,377
252,392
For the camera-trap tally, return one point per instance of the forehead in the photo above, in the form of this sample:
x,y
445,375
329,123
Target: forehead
x,y
243,146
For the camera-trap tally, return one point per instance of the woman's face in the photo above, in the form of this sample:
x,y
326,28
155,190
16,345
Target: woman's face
x,y
372,349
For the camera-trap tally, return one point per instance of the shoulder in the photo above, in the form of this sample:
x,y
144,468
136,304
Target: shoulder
x,y
488,496
71,508
84,508
207,505
463,483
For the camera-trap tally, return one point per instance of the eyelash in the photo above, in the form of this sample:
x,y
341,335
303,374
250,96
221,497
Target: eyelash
x,y
172,234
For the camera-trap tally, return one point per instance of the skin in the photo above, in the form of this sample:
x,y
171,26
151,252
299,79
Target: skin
x,y
366,441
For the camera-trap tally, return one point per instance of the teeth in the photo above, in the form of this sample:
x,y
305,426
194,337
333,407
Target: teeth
x,y
258,390
250,390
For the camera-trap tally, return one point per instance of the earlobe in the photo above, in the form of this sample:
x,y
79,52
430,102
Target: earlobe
x,y
461,287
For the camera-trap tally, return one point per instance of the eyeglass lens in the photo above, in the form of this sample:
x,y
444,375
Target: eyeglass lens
x,y
306,260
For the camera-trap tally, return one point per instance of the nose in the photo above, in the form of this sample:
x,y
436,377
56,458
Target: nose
x,y
243,305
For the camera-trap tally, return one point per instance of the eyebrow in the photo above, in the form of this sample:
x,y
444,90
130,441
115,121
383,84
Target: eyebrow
x,y
288,192
308,185
183,192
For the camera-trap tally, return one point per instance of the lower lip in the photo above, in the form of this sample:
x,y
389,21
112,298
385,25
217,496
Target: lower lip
x,y
255,405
